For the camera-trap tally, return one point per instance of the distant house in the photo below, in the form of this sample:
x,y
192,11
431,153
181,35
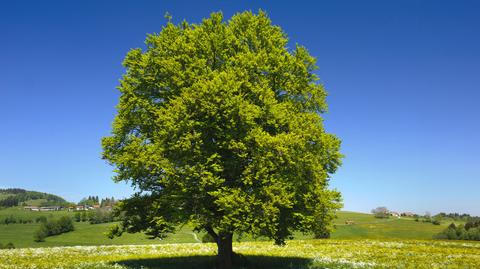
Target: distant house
x,y
96,206
394,214
408,214
50,208
84,207
43,208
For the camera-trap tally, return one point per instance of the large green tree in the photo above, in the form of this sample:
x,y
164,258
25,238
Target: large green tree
x,y
219,125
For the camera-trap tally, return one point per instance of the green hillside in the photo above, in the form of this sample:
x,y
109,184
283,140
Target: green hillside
x,y
365,226
4,195
16,197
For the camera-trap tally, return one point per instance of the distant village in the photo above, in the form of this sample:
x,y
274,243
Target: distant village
x,y
90,203
69,208
383,212
403,214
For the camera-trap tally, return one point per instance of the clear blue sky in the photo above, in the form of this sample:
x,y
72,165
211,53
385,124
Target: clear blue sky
x,y
403,80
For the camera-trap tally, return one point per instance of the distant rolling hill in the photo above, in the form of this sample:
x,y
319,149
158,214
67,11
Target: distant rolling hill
x,y
366,226
20,197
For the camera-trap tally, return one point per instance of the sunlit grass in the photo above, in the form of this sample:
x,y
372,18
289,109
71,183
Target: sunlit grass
x,y
296,254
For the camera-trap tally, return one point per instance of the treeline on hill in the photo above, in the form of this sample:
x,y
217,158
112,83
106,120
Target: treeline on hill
x,y
15,220
382,212
94,200
469,231
442,218
16,197
95,216
53,227
12,219
455,216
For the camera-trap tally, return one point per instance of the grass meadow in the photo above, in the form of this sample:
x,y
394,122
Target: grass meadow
x,y
330,253
365,227
368,243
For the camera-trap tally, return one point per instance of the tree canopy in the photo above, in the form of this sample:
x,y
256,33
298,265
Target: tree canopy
x,y
219,125
381,212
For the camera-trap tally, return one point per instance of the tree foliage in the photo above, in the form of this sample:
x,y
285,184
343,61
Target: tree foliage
x,y
467,231
15,219
381,212
219,124
89,201
53,227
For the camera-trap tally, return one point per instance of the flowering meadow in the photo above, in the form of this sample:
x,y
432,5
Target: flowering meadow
x,y
296,254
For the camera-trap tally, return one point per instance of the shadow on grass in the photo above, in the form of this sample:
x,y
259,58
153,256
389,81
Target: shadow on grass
x,y
208,262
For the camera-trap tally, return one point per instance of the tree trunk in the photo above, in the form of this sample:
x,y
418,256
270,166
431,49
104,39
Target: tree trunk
x,y
225,251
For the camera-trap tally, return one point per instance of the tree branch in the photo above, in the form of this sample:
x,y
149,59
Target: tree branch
x,y
211,232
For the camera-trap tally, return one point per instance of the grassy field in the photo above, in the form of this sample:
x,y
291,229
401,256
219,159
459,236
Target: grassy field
x,y
330,253
365,227
21,235
368,227
368,243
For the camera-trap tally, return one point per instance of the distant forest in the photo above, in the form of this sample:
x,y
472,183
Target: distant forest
x,y
16,197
